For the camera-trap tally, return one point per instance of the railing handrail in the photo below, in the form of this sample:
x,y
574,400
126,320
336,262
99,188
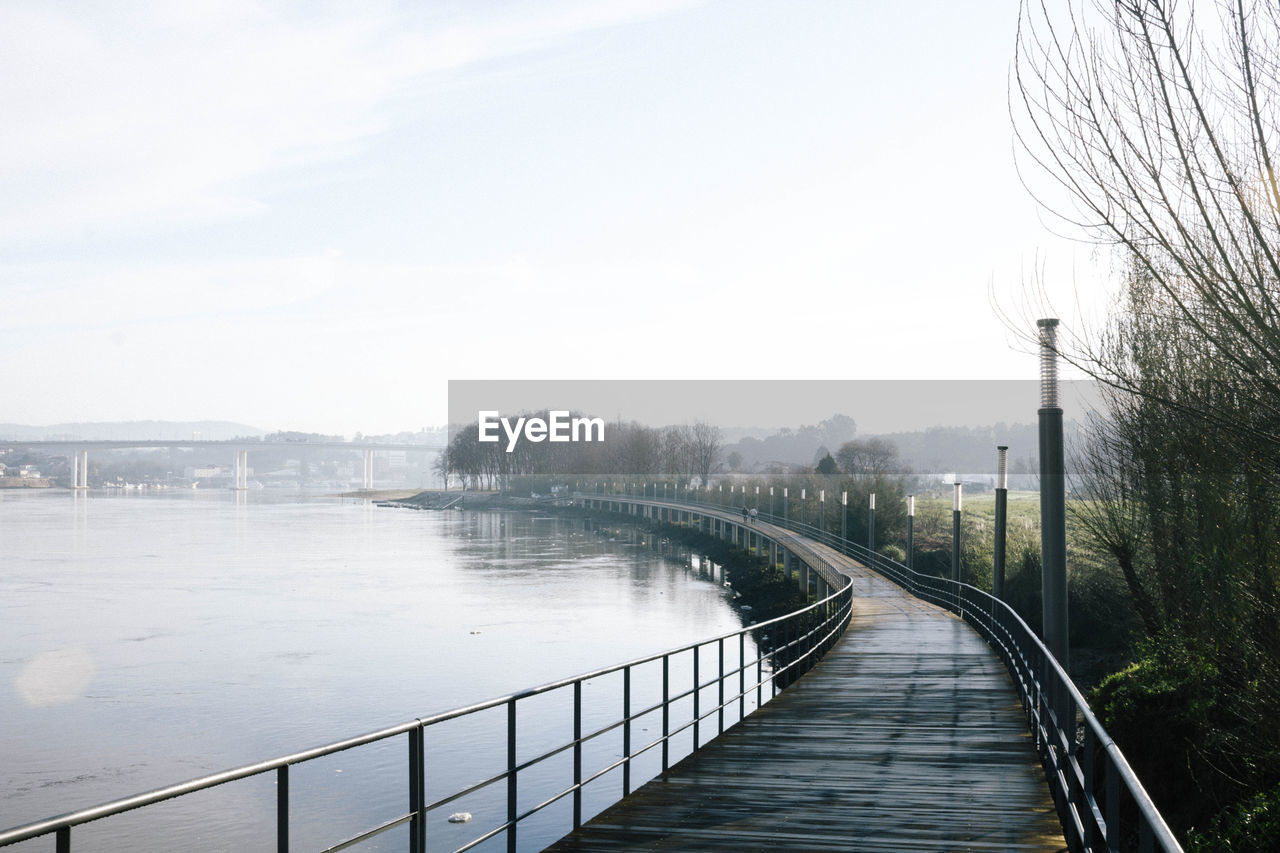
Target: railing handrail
x,y
110,808
1128,777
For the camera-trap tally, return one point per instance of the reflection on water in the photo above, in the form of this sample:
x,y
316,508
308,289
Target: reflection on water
x,y
150,638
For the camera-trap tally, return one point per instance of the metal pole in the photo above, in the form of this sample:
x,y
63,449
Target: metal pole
x,y
511,777
911,523
871,525
955,534
1053,522
802,503
771,500
844,516
785,514
822,510
1002,506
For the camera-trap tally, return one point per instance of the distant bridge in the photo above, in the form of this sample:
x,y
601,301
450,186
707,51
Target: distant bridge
x,y
78,452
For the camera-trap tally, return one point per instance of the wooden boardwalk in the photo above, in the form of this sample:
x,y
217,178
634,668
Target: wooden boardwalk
x,y
908,736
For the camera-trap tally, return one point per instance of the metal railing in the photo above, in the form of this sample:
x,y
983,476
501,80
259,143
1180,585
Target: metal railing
x,y
799,638
1101,802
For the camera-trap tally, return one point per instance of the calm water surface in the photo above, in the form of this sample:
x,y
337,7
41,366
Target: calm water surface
x,y
150,638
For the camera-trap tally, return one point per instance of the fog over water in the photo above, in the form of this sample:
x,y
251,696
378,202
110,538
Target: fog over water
x,y
148,638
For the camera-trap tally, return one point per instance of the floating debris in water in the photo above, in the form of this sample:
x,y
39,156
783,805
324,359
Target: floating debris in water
x,y
459,817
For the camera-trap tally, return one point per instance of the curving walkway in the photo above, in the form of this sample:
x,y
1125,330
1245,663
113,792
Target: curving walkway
x,y
908,736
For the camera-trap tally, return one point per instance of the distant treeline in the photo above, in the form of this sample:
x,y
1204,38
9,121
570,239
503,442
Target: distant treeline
x,y
685,453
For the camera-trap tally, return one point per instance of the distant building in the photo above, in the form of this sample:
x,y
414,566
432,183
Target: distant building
x,y
207,472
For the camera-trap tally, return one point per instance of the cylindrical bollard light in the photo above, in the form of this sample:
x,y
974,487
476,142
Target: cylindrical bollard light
x,y
1053,499
822,510
911,523
955,534
1002,507
844,516
802,507
771,500
785,509
871,525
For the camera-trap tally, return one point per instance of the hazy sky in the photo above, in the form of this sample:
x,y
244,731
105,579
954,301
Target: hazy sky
x,y
310,216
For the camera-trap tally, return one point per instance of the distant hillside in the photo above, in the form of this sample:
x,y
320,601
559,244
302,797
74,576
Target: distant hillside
x,y
791,446
126,430
964,450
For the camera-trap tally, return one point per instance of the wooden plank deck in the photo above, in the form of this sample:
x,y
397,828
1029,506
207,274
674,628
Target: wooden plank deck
x,y
907,737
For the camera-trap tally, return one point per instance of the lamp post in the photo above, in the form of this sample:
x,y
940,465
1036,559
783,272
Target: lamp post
x,y
771,500
802,503
911,523
955,534
871,525
844,516
785,514
1002,510
822,510
1053,522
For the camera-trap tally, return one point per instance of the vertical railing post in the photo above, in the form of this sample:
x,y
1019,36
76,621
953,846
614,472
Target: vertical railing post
x,y
742,675
577,754
282,809
720,682
62,840
696,706
626,731
511,776
759,678
417,792
666,711
1113,806
1088,799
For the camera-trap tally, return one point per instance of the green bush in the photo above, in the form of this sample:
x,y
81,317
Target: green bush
x,y
893,552
1163,712
1248,827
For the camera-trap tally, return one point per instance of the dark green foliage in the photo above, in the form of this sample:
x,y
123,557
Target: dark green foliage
x,y
1022,586
1163,711
1252,826
1197,726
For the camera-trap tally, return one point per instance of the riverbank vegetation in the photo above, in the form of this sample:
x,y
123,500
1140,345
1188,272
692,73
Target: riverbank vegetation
x,y
1151,129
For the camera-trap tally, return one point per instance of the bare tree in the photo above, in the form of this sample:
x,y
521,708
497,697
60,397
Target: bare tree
x,y
1155,124
868,457
1159,129
705,446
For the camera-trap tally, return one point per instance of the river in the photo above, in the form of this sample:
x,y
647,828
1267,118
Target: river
x,y
148,638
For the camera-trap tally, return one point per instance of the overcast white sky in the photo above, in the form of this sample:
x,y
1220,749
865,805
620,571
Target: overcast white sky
x,y
310,216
